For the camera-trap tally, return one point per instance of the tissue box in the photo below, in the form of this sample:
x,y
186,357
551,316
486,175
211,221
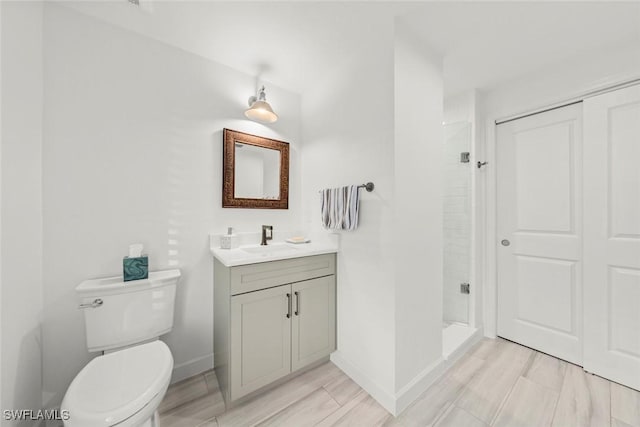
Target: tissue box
x,y
135,268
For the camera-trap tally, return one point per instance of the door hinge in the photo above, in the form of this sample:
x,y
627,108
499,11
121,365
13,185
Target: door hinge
x,y
465,288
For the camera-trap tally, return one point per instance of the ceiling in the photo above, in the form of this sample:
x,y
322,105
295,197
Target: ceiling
x,y
291,44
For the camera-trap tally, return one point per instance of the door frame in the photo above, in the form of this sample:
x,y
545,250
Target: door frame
x,y
487,182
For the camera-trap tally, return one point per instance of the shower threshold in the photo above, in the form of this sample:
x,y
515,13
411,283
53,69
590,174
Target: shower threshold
x,y
454,338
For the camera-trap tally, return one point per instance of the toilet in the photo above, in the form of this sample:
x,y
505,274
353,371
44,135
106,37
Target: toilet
x,y
124,386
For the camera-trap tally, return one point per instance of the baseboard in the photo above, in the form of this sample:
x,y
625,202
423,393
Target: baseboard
x,y
425,379
386,400
418,385
397,403
394,404
192,367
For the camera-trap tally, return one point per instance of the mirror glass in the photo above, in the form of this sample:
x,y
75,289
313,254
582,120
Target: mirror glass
x,y
257,172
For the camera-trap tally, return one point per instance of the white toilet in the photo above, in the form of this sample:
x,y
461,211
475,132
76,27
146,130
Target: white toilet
x,y
124,386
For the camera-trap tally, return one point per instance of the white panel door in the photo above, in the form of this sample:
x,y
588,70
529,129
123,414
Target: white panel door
x,y
612,236
539,189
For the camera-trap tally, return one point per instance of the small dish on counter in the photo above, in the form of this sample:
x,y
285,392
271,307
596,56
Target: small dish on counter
x,y
298,240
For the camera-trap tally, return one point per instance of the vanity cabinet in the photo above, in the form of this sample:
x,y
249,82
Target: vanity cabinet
x,y
272,319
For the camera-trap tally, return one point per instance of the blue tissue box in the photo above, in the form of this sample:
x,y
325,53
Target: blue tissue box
x,y
135,268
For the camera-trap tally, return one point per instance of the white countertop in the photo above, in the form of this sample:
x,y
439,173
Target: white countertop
x,y
274,251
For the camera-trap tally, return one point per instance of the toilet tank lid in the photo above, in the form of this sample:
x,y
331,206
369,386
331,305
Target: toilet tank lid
x,y
113,285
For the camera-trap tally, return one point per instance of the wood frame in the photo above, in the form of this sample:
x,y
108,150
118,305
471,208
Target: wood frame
x,y
230,137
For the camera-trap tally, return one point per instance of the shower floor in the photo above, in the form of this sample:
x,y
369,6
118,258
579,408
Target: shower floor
x,y
454,335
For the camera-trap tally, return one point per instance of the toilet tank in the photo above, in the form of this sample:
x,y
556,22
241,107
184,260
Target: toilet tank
x,y
118,314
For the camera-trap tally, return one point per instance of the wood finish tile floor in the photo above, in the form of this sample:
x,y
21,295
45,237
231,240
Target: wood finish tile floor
x,y
498,383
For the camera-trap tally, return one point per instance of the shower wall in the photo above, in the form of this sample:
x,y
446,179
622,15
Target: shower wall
x,y
456,222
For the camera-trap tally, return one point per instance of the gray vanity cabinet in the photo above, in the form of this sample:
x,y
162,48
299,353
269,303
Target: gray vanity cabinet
x,y
272,319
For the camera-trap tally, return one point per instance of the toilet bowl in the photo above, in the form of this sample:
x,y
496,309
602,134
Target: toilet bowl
x,y
121,389
124,386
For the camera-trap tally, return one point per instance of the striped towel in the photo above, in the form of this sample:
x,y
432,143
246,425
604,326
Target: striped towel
x,y
340,208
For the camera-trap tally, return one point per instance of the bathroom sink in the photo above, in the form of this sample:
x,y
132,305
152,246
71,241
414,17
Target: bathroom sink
x,y
269,249
275,251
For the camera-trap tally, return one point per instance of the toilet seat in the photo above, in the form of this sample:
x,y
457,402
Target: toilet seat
x,y
116,386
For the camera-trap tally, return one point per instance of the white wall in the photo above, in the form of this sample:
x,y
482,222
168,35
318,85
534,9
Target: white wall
x,y
348,139
368,121
547,86
563,80
417,225
133,153
460,107
21,191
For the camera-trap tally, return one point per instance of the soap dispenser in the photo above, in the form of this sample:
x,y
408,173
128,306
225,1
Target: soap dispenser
x,y
229,240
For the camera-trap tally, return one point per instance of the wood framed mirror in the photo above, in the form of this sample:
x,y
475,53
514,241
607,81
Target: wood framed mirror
x,y
255,173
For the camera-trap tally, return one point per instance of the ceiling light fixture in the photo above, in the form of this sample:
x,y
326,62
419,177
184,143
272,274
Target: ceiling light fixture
x,y
260,110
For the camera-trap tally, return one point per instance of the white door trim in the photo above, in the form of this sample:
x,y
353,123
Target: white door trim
x,y
490,294
491,236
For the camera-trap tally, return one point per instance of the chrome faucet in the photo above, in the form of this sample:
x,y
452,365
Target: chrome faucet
x,y
267,234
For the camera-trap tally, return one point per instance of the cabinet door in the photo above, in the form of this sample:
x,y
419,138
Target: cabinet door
x,y
313,328
260,339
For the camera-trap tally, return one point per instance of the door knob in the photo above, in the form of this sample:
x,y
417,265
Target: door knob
x,y
505,242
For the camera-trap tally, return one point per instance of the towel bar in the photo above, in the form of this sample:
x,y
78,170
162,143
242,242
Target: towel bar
x,y
368,186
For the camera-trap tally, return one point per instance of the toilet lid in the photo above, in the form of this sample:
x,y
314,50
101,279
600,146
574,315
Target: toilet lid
x,y
113,387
